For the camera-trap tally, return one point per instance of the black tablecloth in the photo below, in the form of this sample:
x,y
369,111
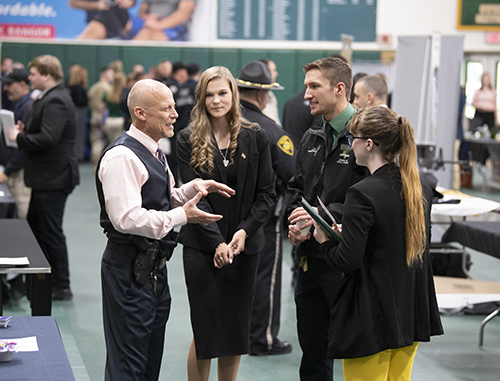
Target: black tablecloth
x,y
481,149
17,240
8,208
49,363
483,236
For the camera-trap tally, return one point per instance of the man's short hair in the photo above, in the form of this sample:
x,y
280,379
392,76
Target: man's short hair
x,y
335,70
48,65
374,84
192,68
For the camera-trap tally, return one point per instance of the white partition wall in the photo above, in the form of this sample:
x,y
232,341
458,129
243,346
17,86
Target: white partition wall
x,y
426,91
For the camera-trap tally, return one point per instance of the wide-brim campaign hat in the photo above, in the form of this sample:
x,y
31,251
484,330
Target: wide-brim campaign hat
x,y
256,75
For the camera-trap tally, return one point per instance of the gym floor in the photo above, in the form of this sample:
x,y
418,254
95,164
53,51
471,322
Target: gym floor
x,y
453,356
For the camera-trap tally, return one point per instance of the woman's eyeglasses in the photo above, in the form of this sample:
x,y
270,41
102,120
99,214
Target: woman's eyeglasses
x,y
350,139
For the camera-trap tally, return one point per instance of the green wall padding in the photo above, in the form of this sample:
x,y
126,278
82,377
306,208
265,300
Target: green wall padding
x,y
289,62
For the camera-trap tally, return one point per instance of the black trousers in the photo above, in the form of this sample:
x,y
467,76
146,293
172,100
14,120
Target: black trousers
x,y
45,217
314,295
134,319
265,323
481,118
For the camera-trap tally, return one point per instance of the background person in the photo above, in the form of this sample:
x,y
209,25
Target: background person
x,y
485,102
17,88
139,209
164,20
220,259
355,78
186,98
384,255
50,165
6,66
114,122
105,18
164,71
77,84
97,108
254,81
272,109
370,90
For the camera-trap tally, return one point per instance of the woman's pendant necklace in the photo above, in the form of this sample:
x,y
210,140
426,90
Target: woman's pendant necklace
x,y
225,160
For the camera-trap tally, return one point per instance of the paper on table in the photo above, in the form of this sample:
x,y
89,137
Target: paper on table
x,y
8,123
26,344
17,261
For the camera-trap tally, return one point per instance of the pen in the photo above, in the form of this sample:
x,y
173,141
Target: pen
x,y
326,210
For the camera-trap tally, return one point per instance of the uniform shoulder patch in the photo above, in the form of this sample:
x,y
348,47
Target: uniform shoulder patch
x,y
286,145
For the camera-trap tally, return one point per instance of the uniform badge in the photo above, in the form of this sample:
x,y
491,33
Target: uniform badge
x,y
286,145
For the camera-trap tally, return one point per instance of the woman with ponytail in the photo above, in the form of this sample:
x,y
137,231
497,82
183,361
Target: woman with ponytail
x,y
386,304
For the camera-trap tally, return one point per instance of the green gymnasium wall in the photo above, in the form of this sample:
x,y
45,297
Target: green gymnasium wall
x,y
93,57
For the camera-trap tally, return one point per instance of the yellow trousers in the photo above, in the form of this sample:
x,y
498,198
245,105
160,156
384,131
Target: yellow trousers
x,y
388,365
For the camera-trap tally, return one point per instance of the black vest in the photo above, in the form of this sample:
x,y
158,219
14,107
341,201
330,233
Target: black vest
x,y
155,194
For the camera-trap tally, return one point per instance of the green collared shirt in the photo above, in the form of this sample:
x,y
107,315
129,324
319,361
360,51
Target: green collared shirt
x,y
338,123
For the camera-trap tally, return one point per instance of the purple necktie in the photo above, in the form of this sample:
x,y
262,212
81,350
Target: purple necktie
x,y
160,155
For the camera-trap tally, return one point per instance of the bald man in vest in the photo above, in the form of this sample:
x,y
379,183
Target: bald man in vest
x,y
140,207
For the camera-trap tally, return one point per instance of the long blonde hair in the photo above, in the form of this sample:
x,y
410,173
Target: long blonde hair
x,y
202,144
119,83
395,138
79,77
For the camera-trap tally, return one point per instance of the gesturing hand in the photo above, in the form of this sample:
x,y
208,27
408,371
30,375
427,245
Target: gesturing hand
x,y
212,186
197,216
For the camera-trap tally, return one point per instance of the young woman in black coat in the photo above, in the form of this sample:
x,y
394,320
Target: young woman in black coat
x,y
387,303
220,259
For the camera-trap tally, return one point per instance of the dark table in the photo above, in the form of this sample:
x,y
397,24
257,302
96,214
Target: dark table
x,y
49,363
481,148
8,208
17,240
483,236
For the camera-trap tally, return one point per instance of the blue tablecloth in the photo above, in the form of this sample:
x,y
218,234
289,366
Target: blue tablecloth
x,y
50,363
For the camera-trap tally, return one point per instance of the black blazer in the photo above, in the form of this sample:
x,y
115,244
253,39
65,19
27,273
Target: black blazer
x,y
381,303
48,142
255,192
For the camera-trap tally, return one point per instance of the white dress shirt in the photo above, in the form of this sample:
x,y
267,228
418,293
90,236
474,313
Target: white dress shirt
x,y
122,175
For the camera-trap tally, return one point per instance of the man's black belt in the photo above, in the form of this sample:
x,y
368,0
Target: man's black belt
x,y
131,252
127,250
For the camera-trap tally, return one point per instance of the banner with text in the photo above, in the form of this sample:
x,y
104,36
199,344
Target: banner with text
x,y
300,20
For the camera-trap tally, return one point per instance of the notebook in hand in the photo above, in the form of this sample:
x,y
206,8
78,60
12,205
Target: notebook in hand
x,y
320,221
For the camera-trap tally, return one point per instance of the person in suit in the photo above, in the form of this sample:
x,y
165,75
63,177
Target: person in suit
x,y
386,303
254,82
50,165
140,207
325,167
221,259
